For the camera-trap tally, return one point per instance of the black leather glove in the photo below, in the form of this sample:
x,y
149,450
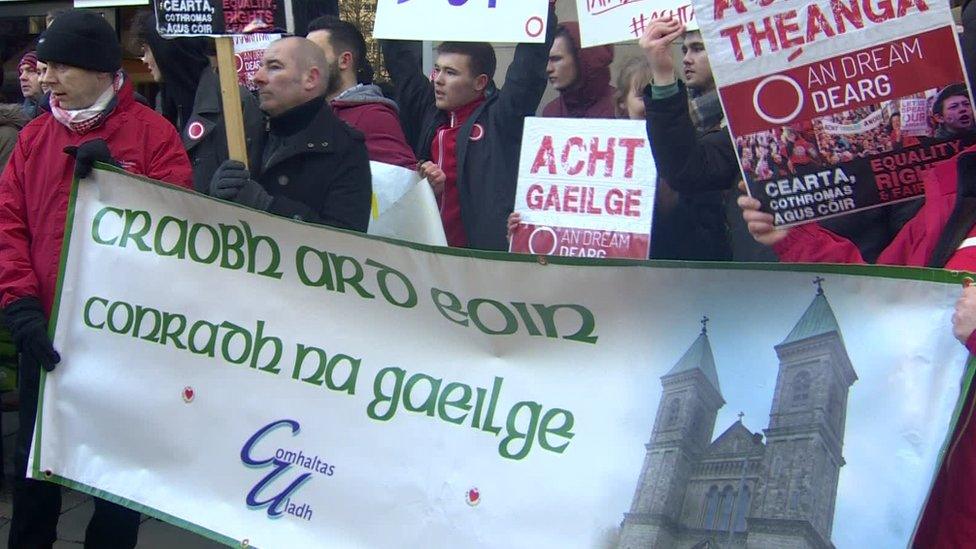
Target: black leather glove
x,y
87,154
232,181
28,326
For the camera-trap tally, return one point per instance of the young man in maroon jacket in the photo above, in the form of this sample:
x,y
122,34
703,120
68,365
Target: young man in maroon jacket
x,y
354,97
580,75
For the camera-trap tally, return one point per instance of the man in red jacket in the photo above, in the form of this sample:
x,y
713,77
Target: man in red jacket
x,y
354,97
94,118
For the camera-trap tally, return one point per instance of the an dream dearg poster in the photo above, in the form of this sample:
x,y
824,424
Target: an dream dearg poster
x,y
837,106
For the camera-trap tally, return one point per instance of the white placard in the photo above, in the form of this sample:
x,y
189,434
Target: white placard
x,y
462,20
610,21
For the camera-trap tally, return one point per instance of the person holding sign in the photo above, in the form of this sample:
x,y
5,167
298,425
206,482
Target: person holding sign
x,y
470,132
190,93
941,235
693,155
354,97
94,118
580,75
313,167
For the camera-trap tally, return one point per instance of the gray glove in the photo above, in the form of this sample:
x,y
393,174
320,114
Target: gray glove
x,y
232,181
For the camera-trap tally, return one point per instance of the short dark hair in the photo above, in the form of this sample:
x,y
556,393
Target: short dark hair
x,y
952,90
344,36
481,54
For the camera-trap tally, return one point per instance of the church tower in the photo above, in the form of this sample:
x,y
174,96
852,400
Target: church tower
x,y
805,437
690,400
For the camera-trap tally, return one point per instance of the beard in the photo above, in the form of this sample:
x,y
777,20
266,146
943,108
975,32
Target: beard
x,y
334,79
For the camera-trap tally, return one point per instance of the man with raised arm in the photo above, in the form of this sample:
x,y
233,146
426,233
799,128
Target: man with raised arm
x,y
468,133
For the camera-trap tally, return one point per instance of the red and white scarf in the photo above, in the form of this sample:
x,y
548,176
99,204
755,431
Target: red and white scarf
x,y
82,121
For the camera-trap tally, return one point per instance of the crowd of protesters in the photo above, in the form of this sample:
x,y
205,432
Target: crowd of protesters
x,y
318,119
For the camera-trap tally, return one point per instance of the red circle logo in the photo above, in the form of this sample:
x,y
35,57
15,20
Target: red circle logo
x,y
477,132
195,130
534,26
543,241
778,99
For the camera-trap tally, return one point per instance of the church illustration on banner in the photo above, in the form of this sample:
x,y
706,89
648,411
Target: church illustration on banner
x,y
740,490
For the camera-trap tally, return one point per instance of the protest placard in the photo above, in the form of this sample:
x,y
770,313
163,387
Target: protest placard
x,y
812,92
462,20
248,52
609,21
218,17
88,4
276,384
585,188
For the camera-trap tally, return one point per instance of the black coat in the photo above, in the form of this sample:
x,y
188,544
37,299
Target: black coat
x,y
693,162
316,168
487,166
205,137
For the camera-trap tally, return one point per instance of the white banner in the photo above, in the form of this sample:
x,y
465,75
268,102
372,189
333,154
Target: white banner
x,y
271,383
867,123
585,188
404,206
462,20
609,21
88,4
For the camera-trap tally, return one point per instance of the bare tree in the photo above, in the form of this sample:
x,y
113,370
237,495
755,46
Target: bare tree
x,y
362,13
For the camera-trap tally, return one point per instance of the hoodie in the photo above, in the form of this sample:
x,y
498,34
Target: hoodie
x,y
181,61
365,108
592,95
12,119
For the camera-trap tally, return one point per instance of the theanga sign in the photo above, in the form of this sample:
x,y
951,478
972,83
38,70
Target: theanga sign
x,y
267,382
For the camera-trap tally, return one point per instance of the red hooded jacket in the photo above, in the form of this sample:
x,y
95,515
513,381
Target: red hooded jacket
x,y
35,185
366,109
949,518
592,97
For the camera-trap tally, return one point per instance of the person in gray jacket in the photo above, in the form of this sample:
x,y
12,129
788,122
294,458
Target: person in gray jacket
x,y
12,119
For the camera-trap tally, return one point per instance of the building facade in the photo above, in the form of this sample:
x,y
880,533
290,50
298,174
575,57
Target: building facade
x,y
770,490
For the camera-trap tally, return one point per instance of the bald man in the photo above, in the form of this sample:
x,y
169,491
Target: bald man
x,y
314,167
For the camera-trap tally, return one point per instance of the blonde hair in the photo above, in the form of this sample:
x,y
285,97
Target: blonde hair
x,y
636,71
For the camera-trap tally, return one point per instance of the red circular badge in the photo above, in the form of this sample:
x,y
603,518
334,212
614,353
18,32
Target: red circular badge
x,y
477,132
195,130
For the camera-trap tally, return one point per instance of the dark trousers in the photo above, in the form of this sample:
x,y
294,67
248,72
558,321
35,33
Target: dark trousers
x,y
37,504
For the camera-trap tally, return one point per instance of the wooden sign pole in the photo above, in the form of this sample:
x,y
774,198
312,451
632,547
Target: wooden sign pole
x,y
230,96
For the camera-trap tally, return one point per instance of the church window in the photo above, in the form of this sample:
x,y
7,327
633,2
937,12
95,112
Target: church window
x,y
801,388
724,509
710,508
674,409
742,509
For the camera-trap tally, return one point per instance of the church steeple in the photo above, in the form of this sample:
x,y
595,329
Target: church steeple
x,y
690,400
807,419
698,358
818,319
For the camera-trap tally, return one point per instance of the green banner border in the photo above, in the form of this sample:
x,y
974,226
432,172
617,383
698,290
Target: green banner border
x,y
880,271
